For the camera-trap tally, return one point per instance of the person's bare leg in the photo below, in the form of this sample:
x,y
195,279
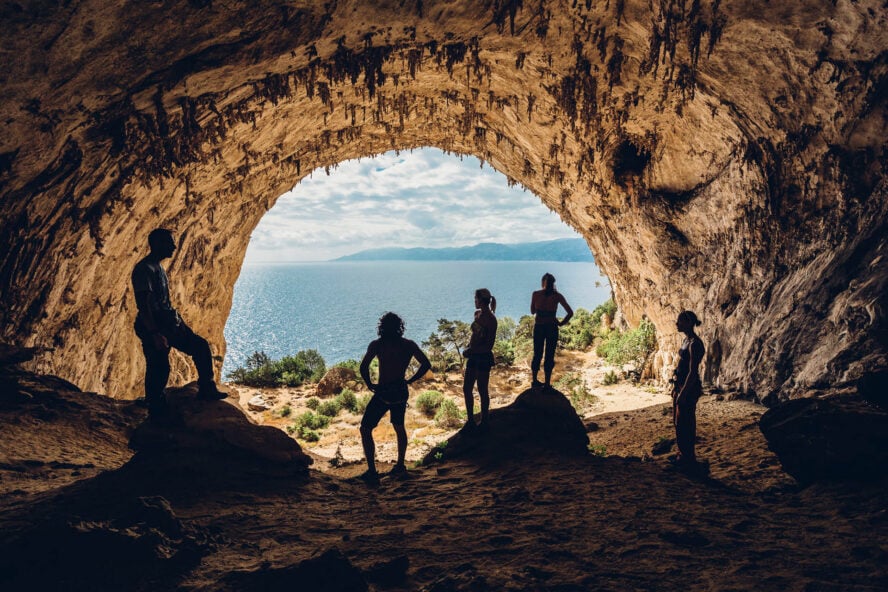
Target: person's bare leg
x,y
484,394
370,448
468,385
401,433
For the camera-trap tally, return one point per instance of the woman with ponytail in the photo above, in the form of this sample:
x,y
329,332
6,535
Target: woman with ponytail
x,y
687,388
544,305
480,356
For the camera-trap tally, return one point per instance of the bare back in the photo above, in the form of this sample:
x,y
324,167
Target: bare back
x,y
394,358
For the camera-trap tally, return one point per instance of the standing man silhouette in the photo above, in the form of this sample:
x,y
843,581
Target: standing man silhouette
x,y
390,393
160,327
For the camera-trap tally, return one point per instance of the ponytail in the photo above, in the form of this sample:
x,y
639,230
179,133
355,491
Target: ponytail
x,y
484,295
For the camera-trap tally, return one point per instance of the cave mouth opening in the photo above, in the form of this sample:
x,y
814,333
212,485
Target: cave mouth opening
x,y
296,308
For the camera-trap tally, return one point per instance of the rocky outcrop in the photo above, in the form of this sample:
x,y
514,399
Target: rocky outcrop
x,y
336,379
832,439
539,422
726,157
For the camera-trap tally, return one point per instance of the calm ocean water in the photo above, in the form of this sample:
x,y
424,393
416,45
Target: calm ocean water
x,y
333,307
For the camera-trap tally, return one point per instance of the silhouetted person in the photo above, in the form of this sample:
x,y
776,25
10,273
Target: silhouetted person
x,y
544,305
479,356
390,394
160,327
687,388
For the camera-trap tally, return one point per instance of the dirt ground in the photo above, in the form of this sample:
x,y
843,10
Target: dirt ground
x,y
341,440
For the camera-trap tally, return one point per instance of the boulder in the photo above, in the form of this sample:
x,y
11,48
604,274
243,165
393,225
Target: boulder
x,y
336,379
538,421
829,439
215,428
258,403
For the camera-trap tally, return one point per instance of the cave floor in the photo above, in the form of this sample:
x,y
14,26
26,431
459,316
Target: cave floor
x,y
623,521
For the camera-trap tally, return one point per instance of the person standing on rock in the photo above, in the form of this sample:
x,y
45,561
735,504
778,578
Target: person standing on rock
x,y
686,389
160,327
390,393
479,354
544,306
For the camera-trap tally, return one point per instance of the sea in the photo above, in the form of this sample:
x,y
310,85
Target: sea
x,y
333,307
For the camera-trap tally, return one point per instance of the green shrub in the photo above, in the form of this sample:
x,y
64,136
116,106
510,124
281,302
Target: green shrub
x,y
428,402
363,401
580,332
598,449
261,371
633,346
353,365
522,340
610,378
286,410
313,403
330,408
504,353
347,400
308,434
449,416
609,308
314,421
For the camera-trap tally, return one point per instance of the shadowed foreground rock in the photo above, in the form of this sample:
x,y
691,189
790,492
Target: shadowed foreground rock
x,y
539,421
829,439
214,428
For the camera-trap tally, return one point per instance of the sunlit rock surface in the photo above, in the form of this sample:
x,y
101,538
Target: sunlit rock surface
x,y
722,156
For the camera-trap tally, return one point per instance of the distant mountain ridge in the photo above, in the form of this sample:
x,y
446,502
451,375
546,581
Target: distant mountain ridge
x,y
563,249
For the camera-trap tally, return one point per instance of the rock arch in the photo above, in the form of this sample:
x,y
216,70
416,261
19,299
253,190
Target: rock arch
x,y
727,157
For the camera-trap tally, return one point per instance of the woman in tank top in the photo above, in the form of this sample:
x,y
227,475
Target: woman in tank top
x,y
480,356
544,306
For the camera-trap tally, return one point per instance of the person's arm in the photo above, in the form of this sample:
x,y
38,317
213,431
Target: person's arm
x,y
145,304
692,371
533,308
424,364
365,366
490,337
570,312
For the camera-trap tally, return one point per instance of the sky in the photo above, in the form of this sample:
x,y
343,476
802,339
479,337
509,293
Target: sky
x,y
423,198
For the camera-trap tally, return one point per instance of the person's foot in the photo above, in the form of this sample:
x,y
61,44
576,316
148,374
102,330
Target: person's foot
x,y
536,384
211,392
399,470
370,477
484,426
470,425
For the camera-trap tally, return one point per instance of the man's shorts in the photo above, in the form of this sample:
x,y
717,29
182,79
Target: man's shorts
x,y
388,397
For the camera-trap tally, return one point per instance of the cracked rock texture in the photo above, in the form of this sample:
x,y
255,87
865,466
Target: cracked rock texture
x,y
717,155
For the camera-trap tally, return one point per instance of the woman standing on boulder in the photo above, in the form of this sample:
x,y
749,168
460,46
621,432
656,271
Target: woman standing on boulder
x,y
544,305
687,388
480,356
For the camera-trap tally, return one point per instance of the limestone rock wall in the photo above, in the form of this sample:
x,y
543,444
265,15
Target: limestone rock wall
x,y
723,156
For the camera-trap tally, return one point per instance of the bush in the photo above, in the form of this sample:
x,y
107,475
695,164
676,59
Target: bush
x,y
504,353
286,410
573,385
353,365
314,421
598,450
363,401
428,402
347,400
329,408
633,346
313,403
580,332
608,308
309,435
261,371
522,340
449,415
610,378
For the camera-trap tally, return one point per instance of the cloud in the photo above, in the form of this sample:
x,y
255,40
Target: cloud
x,y
419,198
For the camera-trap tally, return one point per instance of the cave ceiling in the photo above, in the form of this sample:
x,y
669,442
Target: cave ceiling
x,y
722,156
